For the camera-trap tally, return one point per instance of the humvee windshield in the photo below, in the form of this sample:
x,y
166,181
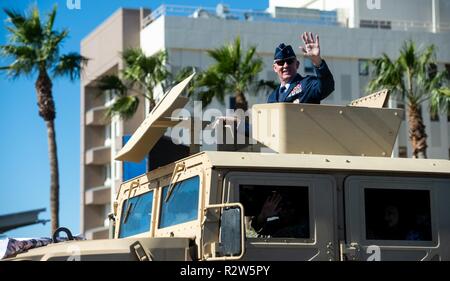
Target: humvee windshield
x,y
182,205
136,215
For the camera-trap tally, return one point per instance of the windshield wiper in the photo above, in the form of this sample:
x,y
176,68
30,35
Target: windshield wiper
x,y
127,212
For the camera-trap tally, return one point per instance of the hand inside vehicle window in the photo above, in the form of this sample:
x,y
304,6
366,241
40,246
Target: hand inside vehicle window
x,y
279,217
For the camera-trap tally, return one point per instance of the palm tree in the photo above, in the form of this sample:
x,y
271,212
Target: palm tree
x,y
139,78
233,72
410,77
34,47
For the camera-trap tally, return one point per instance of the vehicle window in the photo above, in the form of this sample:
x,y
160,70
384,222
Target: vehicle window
x,y
397,214
182,205
136,215
275,211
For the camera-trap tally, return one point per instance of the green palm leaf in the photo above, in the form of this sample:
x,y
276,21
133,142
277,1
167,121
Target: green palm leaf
x,y
409,75
233,72
33,47
123,106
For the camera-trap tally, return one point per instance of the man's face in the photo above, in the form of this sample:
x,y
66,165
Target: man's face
x,y
391,216
286,69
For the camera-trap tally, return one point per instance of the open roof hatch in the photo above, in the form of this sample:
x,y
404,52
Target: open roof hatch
x,y
155,124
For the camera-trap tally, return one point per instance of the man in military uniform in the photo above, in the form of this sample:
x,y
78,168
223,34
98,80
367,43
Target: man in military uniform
x,y
294,87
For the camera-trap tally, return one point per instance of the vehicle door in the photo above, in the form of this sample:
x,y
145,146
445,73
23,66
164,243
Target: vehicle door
x,y
396,218
313,201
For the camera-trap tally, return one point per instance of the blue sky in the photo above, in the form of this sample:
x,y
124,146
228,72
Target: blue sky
x,y
24,165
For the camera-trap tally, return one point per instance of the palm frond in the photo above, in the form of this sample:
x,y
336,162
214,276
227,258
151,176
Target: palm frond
x,y
18,51
70,65
112,83
48,29
146,71
386,75
49,49
234,71
408,58
210,84
124,106
15,17
182,74
24,58
440,100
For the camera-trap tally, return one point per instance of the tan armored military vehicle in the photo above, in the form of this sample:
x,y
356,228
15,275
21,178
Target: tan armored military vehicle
x,y
319,185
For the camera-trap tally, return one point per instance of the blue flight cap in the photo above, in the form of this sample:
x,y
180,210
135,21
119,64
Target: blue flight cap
x,y
283,52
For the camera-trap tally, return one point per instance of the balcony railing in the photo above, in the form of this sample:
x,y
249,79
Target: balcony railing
x,y
98,155
288,15
300,17
96,116
98,195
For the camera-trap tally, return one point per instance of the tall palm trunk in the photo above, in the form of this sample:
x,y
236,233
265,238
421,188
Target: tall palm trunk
x,y
47,112
241,101
417,134
54,175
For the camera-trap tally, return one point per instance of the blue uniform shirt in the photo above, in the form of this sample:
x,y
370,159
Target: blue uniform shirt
x,y
309,89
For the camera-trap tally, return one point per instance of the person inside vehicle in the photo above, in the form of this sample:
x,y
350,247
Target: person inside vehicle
x,y
279,217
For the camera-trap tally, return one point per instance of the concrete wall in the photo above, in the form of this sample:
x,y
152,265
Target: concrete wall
x,y
444,11
400,10
335,41
404,14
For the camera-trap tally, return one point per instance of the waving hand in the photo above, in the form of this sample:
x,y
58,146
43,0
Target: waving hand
x,y
311,48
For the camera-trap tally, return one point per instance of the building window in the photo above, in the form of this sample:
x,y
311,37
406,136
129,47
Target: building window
x,y
309,66
108,134
402,152
232,103
109,97
107,173
118,167
363,66
375,24
116,128
432,70
131,169
390,217
447,68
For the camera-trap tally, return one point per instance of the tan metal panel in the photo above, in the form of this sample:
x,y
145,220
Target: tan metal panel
x,y
377,100
154,125
326,129
270,161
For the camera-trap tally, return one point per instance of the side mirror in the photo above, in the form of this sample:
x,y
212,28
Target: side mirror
x,y
230,231
227,222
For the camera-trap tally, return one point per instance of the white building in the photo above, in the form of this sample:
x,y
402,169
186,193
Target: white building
x,y
351,32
